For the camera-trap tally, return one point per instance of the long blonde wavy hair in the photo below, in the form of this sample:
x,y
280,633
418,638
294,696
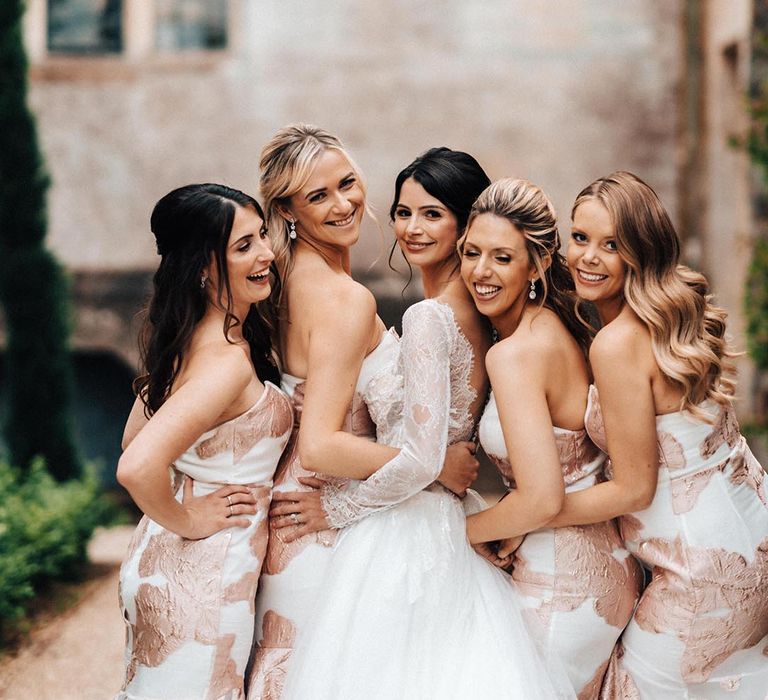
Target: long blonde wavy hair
x,y
527,208
687,330
286,163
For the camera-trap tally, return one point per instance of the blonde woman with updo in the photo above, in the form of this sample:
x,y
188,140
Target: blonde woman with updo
x,y
339,366
578,583
690,497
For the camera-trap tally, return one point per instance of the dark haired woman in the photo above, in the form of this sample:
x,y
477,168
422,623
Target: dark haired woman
x,y
188,583
691,497
407,609
579,582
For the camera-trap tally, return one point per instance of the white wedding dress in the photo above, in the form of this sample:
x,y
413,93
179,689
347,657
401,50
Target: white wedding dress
x,y
407,609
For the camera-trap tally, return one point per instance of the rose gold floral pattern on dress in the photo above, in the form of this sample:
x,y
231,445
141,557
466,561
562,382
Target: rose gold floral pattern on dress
x,y
747,470
270,665
226,682
618,684
240,434
726,609
725,431
358,420
577,452
592,688
244,589
586,568
505,469
186,606
593,420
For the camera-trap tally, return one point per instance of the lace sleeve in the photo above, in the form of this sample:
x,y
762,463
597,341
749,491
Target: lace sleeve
x,y
425,351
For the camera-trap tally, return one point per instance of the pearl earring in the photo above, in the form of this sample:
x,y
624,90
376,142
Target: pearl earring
x,y
532,293
292,232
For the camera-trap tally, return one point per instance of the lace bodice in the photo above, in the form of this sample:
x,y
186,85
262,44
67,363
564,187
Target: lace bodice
x,y
581,460
436,397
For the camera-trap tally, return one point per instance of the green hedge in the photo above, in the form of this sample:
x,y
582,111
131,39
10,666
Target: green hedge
x,y
45,526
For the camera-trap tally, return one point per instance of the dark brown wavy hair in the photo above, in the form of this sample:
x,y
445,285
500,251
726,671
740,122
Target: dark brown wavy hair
x,y
192,225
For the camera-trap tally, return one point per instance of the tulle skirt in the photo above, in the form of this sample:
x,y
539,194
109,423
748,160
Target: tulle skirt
x,y
408,610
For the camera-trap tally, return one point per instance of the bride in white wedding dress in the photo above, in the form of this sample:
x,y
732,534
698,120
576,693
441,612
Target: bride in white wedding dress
x,y
407,609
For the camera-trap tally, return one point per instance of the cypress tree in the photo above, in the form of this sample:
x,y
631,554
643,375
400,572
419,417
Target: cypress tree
x,y
33,289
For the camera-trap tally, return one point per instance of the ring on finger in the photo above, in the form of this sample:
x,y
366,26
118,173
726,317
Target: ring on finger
x,y
231,512
229,500
295,518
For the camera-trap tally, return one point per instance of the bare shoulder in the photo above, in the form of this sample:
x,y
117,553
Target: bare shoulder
x,y
625,342
222,365
519,353
329,296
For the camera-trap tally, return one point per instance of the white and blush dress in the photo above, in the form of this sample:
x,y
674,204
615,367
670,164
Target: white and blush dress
x,y
189,604
700,630
293,571
407,610
580,582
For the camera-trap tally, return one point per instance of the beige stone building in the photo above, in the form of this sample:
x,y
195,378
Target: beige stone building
x,y
135,97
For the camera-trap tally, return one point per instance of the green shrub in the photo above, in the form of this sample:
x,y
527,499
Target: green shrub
x,y
44,531
756,305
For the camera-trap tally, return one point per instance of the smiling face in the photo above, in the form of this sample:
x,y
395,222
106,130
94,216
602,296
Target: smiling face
x,y
497,270
597,268
328,209
248,257
425,228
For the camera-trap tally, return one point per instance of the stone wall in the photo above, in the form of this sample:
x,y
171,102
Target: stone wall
x,y
557,91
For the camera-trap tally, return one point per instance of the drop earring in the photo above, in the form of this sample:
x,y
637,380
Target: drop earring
x,y
532,293
292,232
203,280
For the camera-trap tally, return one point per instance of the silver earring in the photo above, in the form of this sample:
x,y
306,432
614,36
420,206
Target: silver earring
x,y
532,293
292,232
203,280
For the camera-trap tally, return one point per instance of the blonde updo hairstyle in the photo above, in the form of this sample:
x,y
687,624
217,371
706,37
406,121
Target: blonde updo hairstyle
x,y
687,330
530,211
286,164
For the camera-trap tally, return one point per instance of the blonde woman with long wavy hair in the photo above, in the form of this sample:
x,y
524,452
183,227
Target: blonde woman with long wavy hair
x,y
690,495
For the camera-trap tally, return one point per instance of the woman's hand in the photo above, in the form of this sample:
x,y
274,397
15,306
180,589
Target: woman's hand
x,y
300,510
487,551
508,546
207,515
459,468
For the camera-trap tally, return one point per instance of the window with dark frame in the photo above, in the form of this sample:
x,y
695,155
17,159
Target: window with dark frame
x,y
85,26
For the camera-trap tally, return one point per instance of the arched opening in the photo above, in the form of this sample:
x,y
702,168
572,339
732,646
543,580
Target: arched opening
x,y
103,399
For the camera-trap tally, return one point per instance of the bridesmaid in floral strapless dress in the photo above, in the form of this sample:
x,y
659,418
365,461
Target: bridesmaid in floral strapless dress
x,y
577,583
691,497
188,582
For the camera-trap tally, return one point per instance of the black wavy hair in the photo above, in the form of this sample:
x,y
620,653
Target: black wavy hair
x,y
454,178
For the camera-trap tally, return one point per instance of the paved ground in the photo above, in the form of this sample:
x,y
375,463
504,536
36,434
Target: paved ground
x,y
79,655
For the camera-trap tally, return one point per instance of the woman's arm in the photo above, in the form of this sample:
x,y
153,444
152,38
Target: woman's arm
x,y
215,382
428,336
518,376
623,380
425,351
343,328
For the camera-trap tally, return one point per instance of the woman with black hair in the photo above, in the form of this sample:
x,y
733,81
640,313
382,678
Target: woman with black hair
x,y
205,407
